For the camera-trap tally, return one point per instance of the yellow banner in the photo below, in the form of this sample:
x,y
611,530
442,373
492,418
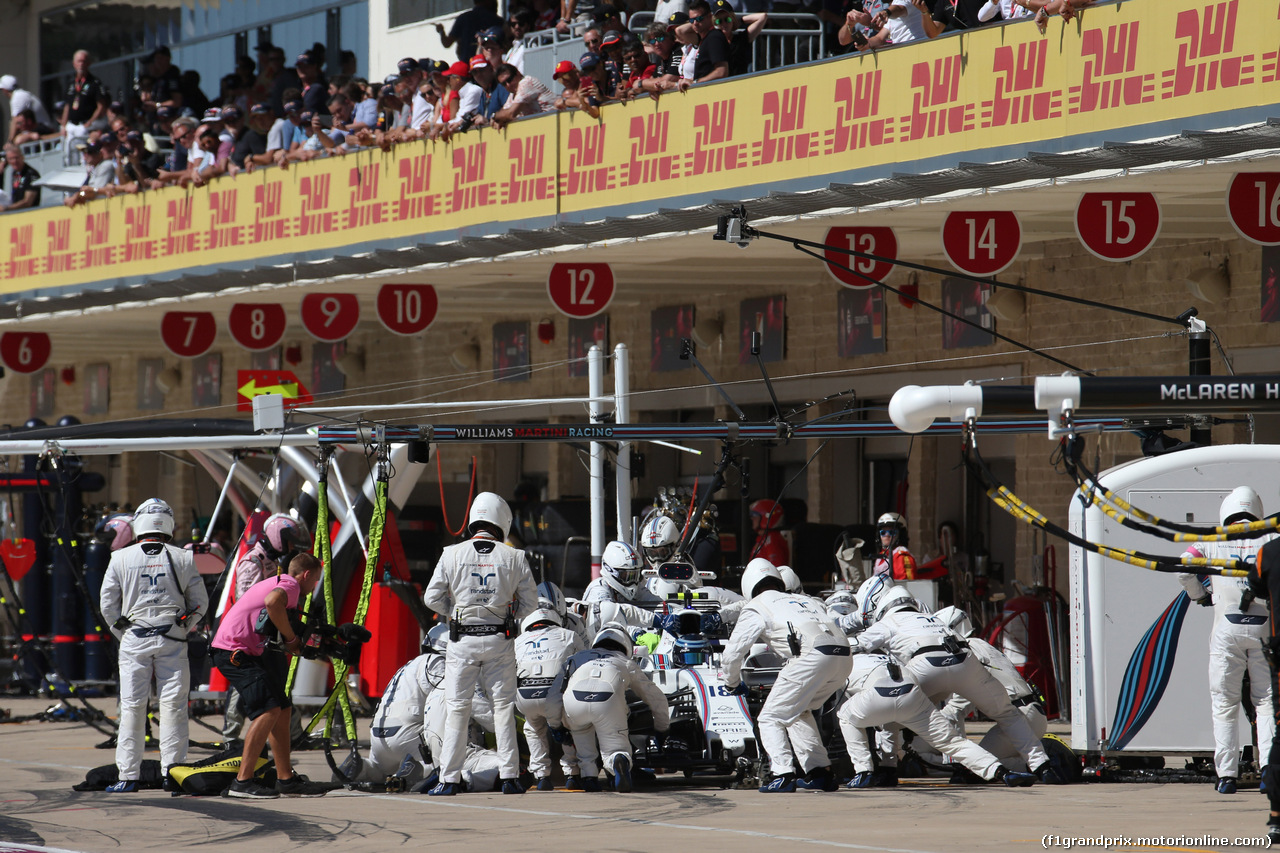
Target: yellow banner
x,y
1128,65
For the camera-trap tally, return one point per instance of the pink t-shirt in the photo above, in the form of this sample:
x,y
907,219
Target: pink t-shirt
x,y
236,631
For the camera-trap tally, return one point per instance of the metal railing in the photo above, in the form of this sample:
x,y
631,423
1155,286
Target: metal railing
x,y
786,40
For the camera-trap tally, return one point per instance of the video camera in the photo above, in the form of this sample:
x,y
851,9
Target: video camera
x,y
326,642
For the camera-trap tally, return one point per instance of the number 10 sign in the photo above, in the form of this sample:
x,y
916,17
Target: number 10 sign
x,y
580,290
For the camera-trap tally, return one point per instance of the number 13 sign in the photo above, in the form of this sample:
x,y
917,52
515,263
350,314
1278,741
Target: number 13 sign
x,y
580,290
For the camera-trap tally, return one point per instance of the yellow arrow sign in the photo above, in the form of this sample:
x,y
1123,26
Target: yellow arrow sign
x,y
255,383
251,389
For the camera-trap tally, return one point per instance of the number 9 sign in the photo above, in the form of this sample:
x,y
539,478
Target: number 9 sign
x,y
188,334
330,317
257,327
24,352
580,290
876,240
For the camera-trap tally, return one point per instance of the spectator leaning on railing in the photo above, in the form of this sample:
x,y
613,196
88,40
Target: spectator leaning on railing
x,y
23,192
529,96
101,176
740,40
20,100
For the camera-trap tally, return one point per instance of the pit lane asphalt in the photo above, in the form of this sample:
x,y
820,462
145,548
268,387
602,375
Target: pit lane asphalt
x,y
40,761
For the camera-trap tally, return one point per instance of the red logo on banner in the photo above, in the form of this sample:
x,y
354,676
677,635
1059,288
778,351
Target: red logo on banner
x,y
24,352
330,317
1253,203
407,309
188,333
254,383
580,290
872,240
981,242
1117,226
257,327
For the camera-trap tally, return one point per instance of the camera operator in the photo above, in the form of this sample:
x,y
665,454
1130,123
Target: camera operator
x,y
256,668
152,597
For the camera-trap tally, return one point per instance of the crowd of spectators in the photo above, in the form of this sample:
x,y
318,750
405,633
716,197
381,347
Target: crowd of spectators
x,y
272,112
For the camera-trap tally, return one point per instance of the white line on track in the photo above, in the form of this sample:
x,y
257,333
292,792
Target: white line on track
x,y
844,845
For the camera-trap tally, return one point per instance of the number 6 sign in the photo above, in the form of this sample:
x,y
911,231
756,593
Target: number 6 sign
x,y
188,334
330,317
580,290
24,352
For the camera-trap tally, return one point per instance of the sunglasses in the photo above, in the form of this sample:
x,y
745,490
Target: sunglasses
x,y
727,19
697,19
658,40
888,532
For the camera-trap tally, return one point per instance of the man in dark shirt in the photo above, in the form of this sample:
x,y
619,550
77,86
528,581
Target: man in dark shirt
x,y
23,192
251,141
740,38
468,25
166,86
660,44
86,98
713,47
140,165
315,88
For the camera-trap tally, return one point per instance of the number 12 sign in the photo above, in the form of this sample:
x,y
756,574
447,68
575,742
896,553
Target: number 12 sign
x,y
580,290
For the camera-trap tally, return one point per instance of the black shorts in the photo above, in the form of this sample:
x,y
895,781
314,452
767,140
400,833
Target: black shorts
x,y
259,679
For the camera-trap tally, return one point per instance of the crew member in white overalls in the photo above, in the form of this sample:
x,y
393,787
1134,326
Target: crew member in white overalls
x,y
152,597
485,589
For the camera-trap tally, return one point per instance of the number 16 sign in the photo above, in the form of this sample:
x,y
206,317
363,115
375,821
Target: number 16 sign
x,y
580,290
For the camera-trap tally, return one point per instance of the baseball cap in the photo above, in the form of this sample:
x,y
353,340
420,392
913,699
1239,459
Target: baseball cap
x,y
165,112
387,91
491,34
438,66
260,110
133,137
306,117
305,58
678,18
607,10
720,6
8,82
408,65
85,145
293,107
116,107
458,69
479,62
563,67
611,40
588,60
212,114
231,113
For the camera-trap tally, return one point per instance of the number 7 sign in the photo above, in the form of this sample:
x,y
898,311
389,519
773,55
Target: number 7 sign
x,y
580,290
188,334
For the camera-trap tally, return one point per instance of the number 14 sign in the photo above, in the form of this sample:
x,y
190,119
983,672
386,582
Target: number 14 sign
x,y
580,290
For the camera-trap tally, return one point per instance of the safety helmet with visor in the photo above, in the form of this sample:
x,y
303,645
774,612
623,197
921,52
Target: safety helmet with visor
x,y
620,567
613,638
153,517
1243,504
659,539
490,509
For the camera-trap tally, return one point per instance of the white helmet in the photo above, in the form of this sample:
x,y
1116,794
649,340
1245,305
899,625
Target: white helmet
x,y
842,601
551,598
620,567
870,593
791,579
152,517
282,533
116,529
755,573
490,509
659,539
613,636
437,639
542,614
955,619
891,518
1243,501
895,598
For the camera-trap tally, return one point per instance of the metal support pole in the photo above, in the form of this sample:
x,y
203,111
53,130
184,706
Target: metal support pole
x,y
595,385
1199,364
622,415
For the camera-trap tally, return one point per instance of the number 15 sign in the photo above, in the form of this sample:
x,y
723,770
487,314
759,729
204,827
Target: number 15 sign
x,y
580,290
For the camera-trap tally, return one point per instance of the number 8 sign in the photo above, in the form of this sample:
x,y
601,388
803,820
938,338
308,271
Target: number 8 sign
x,y
330,317
257,327
580,290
